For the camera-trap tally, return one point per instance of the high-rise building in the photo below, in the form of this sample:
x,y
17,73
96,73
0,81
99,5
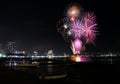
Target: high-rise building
x,y
11,47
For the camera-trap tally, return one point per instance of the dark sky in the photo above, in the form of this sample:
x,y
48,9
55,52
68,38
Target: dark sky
x,y
32,24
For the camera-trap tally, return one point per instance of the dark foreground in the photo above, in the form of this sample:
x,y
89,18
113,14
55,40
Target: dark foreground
x,y
78,73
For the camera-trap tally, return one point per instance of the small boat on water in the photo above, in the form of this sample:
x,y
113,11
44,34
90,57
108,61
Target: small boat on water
x,y
27,64
24,63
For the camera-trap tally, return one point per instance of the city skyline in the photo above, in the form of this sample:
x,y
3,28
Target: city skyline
x,y
33,24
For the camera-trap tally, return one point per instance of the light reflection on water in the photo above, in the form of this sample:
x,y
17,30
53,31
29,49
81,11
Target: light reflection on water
x,y
60,68
107,60
47,69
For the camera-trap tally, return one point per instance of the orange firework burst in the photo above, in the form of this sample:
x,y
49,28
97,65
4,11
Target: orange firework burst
x,y
73,12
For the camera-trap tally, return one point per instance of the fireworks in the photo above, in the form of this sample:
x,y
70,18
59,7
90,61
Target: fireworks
x,y
73,12
76,46
78,31
85,29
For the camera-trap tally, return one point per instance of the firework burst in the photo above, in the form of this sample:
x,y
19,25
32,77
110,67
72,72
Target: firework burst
x,y
78,31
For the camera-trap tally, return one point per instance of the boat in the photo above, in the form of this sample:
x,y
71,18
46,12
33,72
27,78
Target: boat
x,y
27,64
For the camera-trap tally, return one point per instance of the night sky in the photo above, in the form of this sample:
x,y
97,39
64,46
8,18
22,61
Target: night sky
x,y
32,24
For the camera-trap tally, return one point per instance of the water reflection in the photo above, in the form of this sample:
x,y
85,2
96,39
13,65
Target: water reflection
x,y
80,58
62,68
106,60
45,70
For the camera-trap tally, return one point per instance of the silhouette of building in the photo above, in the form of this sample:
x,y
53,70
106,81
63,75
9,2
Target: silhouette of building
x,y
10,47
